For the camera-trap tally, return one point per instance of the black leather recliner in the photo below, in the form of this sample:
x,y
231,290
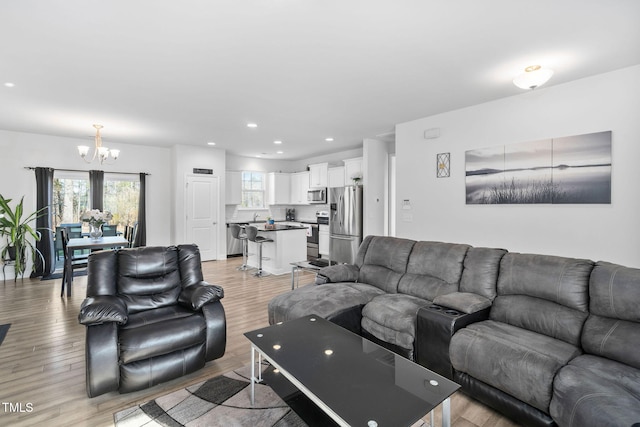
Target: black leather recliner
x,y
150,318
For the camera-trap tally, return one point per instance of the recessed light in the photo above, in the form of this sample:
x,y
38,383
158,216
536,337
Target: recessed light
x,y
252,125
211,143
329,139
279,152
9,84
277,142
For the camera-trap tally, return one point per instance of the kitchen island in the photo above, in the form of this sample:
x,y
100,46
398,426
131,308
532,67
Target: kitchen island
x,y
289,245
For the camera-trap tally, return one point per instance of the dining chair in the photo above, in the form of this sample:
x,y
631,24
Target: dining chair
x,y
76,261
109,230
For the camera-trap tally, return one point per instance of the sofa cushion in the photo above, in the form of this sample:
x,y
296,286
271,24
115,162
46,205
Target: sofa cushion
x,y
480,274
159,338
392,318
539,315
326,301
384,261
433,269
615,291
545,294
614,321
594,391
516,361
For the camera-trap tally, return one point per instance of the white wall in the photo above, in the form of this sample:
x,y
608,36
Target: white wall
x,y
375,165
19,150
184,159
599,232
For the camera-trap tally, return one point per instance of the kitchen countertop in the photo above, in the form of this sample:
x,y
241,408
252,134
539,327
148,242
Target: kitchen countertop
x,y
279,227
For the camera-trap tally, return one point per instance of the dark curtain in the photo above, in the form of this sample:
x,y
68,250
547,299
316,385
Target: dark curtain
x,y
46,265
96,187
141,234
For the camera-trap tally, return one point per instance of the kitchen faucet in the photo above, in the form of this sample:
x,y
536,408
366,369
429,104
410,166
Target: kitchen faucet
x,y
255,217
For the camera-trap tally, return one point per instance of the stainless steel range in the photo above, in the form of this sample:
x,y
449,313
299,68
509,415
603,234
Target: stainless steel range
x,y
313,237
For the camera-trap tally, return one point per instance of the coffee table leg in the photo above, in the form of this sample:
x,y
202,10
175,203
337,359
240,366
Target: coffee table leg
x,y
446,413
253,374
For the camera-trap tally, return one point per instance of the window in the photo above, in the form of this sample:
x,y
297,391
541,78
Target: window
x,y
253,190
70,196
121,196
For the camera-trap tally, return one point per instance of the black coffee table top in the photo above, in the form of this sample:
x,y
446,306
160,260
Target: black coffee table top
x,y
358,380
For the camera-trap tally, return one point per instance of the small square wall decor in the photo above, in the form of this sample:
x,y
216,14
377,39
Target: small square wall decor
x,y
443,165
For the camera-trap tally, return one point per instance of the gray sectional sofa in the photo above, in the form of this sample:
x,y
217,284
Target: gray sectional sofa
x,y
545,340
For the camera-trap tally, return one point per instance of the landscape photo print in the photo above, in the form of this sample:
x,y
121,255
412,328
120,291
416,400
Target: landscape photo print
x,y
572,169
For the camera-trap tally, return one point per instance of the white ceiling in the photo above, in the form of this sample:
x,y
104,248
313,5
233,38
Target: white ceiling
x,y
159,72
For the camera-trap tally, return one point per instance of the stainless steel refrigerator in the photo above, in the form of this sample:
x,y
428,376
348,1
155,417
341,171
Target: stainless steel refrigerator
x,y
345,223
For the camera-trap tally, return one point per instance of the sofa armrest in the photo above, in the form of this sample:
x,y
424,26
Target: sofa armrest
x,y
337,273
103,309
199,294
435,327
465,302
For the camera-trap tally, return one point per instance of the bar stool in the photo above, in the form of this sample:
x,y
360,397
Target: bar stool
x,y
252,234
240,234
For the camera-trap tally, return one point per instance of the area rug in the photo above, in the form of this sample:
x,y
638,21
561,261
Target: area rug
x,y
221,401
3,331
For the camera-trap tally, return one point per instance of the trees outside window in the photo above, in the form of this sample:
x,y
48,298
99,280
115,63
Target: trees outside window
x,y
121,196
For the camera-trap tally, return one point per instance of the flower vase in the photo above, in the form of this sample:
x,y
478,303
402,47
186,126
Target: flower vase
x,y
95,231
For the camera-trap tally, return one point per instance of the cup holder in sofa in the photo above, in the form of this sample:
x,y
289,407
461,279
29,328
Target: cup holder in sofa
x,y
435,307
452,312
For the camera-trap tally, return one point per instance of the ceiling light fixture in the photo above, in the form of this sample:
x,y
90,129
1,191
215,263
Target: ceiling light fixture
x,y
252,125
9,84
211,143
100,152
329,139
277,142
279,152
533,77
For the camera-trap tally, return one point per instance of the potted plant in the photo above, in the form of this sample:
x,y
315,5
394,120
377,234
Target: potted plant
x,y
20,235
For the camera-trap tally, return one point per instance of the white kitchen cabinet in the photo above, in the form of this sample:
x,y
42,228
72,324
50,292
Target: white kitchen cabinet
x,y
323,239
279,188
318,175
299,188
352,167
336,177
233,188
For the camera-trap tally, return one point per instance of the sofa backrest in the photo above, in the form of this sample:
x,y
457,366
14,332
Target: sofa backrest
x,y
434,268
383,260
481,269
614,320
545,294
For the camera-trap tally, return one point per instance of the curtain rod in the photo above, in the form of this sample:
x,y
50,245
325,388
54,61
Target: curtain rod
x,y
78,170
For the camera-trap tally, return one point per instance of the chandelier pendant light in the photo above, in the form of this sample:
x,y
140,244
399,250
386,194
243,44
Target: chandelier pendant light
x,y
533,77
101,153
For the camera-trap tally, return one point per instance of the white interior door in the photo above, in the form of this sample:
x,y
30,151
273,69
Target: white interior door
x,y
202,215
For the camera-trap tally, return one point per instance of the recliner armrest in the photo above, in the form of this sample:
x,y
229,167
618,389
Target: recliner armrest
x,y
465,302
199,294
337,273
102,309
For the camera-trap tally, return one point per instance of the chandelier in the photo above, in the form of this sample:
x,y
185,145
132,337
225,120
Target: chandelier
x,y
101,153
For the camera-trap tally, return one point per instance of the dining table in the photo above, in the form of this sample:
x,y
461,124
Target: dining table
x,y
105,242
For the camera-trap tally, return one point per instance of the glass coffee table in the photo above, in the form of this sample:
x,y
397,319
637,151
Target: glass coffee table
x,y
353,380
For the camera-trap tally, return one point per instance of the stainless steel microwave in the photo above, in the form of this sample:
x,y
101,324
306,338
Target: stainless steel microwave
x,y
317,196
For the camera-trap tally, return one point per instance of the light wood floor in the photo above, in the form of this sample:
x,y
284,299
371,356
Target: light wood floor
x,y
42,357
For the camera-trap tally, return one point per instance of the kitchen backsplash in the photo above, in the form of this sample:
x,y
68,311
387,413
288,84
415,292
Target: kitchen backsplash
x,y
276,212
